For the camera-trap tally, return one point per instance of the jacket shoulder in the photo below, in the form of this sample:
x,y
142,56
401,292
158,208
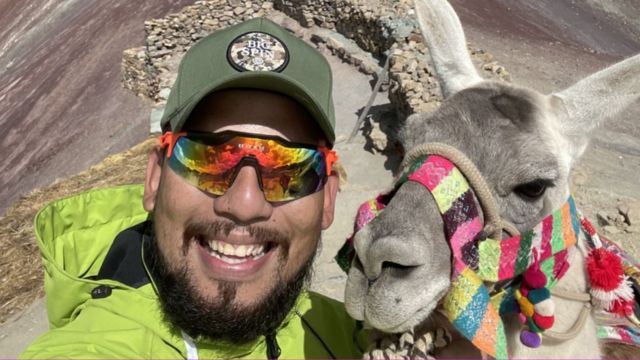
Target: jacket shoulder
x,y
98,332
326,320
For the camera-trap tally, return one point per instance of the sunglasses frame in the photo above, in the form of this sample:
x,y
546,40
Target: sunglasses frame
x,y
168,140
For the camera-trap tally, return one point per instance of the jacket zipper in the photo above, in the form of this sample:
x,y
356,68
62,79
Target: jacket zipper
x,y
273,349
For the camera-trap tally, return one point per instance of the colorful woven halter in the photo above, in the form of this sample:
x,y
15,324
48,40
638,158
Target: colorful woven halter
x,y
468,304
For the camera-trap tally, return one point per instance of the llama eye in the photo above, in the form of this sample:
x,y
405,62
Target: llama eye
x,y
534,189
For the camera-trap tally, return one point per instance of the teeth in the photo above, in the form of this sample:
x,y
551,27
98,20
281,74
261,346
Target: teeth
x,y
223,248
228,249
241,251
227,259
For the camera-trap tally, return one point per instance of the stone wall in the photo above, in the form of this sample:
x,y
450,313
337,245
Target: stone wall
x,y
373,25
135,75
169,37
384,28
308,13
361,32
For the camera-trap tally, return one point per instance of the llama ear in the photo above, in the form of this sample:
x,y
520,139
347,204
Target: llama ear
x,y
515,108
445,39
585,105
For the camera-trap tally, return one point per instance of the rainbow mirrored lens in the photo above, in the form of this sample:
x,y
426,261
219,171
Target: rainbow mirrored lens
x,y
211,162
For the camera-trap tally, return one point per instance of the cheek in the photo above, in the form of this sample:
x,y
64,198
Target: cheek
x,y
181,200
176,203
302,219
524,214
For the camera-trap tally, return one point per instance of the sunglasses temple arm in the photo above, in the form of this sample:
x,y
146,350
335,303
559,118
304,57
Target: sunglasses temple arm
x,y
168,140
330,158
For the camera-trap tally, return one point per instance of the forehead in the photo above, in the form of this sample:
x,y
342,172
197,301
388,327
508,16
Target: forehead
x,y
254,111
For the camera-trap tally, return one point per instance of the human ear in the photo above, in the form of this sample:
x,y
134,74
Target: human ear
x,y
152,178
330,192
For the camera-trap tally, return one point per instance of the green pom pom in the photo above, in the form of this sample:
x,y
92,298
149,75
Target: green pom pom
x,y
532,326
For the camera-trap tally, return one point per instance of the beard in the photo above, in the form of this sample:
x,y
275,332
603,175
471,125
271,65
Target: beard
x,y
221,317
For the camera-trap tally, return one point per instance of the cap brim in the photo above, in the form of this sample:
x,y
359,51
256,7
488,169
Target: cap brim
x,y
262,80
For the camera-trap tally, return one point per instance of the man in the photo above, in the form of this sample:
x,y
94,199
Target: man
x,y
213,264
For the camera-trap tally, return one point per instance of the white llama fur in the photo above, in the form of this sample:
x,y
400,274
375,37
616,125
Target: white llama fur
x,y
514,135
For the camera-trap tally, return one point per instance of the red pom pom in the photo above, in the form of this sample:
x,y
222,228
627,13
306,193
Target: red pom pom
x,y
543,322
605,269
621,307
534,278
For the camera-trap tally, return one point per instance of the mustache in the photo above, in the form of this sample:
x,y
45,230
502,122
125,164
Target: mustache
x,y
220,228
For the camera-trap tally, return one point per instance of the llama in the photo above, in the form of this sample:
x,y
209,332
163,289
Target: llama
x,y
519,147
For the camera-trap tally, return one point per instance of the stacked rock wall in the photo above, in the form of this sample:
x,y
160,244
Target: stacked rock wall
x,y
169,37
379,28
308,13
135,74
385,28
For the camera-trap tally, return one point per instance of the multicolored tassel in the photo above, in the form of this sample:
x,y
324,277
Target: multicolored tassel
x,y
610,287
536,307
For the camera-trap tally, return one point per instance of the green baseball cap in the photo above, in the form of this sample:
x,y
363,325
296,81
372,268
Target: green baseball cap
x,y
255,54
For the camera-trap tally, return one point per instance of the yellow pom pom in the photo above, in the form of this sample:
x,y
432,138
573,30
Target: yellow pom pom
x,y
526,307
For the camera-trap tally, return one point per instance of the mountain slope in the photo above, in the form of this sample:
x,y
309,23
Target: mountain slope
x,y
61,103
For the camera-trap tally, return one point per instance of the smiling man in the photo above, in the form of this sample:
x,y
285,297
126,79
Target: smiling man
x,y
211,257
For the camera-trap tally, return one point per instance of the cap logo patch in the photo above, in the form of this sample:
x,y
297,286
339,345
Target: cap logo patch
x,y
258,51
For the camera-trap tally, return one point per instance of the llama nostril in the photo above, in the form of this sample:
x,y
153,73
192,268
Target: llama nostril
x,y
394,268
358,265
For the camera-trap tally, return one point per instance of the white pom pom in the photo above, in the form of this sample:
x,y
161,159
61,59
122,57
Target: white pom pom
x,y
545,308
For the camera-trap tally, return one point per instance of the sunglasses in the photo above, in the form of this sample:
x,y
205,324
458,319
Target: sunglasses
x,y
211,162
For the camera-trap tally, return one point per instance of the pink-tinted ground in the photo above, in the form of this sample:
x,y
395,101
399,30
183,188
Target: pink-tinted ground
x,y
62,107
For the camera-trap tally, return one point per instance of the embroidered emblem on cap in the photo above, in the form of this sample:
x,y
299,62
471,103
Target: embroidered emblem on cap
x,y
258,51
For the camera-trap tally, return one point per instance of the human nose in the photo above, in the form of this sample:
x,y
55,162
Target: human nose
x,y
244,201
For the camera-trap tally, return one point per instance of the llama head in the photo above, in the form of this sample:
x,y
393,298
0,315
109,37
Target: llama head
x,y
524,144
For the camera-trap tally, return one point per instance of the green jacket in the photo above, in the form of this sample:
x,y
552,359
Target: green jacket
x,y
101,303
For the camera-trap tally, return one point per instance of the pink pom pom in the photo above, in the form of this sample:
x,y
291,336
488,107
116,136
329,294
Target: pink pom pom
x,y
522,318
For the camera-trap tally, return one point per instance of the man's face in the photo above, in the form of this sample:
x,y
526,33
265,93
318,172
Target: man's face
x,y
237,250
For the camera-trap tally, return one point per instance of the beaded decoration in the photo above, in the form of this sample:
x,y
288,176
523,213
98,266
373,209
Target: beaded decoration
x,y
610,286
619,322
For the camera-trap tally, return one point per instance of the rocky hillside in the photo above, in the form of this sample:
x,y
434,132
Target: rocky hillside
x,y
62,107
